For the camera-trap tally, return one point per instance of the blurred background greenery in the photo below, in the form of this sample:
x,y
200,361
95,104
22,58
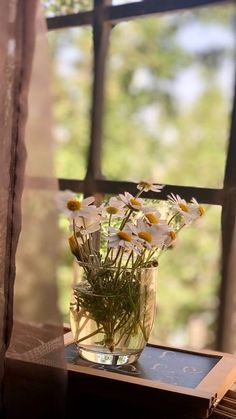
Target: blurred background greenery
x,y
169,88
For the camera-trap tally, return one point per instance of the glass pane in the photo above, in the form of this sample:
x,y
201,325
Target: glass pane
x,y
187,286
169,92
72,62
64,7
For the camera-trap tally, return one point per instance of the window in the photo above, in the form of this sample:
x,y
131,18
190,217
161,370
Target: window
x,y
166,82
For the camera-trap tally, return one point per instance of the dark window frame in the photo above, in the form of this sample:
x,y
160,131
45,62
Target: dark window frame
x,y
102,18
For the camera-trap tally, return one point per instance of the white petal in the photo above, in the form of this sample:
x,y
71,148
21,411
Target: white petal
x,y
112,230
88,201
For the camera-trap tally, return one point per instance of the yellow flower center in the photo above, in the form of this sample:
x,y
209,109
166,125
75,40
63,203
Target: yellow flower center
x,y
184,207
152,218
201,210
73,205
172,235
112,210
123,235
143,185
135,201
145,236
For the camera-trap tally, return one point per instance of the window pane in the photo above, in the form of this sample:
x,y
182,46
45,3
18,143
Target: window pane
x,y
169,93
187,286
71,51
64,7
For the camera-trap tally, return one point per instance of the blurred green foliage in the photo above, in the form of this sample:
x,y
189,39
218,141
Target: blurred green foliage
x,y
155,127
62,7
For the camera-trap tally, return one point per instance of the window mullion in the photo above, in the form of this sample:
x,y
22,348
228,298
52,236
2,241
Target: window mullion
x,y
101,34
227,292
114,14
119,13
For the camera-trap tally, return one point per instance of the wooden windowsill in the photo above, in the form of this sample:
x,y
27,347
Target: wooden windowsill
x,y
186,390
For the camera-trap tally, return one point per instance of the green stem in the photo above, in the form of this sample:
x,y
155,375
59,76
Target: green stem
x,y
173,216
128,331
150,255
128,259
76,240
121,323
139,322
126,219
100,329
117,255
130,210
140,260
119,265
108,251
88,240
139,193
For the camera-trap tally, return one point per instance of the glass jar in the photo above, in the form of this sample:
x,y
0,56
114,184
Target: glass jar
x,y
112,313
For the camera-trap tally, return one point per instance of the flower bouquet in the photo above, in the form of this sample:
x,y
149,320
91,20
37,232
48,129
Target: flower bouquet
x,y
117,246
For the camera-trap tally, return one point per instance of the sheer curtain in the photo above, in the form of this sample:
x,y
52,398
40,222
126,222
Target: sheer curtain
x,y
32,371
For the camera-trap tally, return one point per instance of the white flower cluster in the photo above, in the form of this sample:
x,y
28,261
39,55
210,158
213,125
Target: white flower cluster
x,y
135,231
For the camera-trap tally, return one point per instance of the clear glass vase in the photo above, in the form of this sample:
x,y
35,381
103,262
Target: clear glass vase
x,y
112,313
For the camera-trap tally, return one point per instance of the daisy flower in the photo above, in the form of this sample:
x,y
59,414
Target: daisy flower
x,y
124,238
151,235
72,207
115,208
124,225
147,186
170,238
135,203
182,207
199,209
153,217
88,225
